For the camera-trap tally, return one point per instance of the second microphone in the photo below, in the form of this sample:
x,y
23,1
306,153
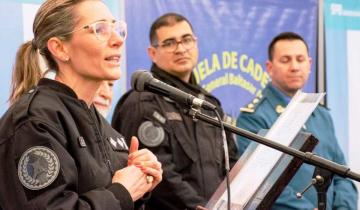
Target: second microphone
x,y
142,80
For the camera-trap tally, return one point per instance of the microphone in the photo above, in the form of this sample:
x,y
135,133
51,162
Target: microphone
x,y
142,80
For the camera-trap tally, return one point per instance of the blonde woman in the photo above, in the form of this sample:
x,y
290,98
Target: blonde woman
x,y
56,152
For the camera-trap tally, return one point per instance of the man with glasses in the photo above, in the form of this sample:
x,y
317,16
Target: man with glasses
x,y
191,152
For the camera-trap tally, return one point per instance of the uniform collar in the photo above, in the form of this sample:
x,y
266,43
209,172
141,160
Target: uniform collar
x,y
57,86
277,99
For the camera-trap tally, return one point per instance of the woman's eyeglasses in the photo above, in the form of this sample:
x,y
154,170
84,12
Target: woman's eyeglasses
x,y
103,29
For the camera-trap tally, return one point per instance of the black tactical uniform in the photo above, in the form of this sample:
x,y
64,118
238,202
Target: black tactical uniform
x,y
191,152
56,153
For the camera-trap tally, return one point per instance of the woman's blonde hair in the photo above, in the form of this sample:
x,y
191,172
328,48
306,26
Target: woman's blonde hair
x,y
55,18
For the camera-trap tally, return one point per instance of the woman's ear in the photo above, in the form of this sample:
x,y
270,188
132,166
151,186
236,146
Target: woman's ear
x,y
58,49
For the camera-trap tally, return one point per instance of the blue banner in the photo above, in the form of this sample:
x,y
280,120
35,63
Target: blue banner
x,y
232,37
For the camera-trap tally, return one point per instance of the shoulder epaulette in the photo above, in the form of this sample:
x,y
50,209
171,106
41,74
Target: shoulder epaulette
x,y
251,107
21,108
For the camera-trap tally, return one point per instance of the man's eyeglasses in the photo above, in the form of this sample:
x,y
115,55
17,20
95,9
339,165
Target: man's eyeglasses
x,y
170,45
103,29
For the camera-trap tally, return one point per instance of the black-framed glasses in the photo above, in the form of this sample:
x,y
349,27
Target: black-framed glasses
x,y
103,29
170,45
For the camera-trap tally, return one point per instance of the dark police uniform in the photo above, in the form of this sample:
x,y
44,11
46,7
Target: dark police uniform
x,y
261,113
191,152
56,153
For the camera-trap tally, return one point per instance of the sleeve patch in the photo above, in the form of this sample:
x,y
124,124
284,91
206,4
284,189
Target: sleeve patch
x,y
38,167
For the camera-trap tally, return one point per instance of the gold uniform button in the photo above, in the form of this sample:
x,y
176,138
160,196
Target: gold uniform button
x,y
279,109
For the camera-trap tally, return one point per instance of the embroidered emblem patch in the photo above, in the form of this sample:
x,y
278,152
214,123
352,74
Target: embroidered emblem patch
x,y
151,135
38,167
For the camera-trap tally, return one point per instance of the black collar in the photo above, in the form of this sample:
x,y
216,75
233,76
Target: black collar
x,y
57,86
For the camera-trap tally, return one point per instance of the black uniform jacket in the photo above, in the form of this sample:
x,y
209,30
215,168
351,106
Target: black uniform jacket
x,y
50,135
191,151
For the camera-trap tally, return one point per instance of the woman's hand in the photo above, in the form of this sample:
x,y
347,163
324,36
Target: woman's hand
x,y
134,180
146,161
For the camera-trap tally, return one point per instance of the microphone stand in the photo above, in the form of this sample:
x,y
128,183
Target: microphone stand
x,y
321,181
307,157
322,186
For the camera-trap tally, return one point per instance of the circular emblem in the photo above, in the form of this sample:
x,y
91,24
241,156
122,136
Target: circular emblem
x,y
38,167
150,135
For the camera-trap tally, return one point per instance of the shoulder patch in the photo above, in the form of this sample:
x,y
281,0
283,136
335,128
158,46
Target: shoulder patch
x,y
38,167
151,135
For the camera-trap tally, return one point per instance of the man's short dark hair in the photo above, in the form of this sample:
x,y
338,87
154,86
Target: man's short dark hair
x,y
168,19
284,36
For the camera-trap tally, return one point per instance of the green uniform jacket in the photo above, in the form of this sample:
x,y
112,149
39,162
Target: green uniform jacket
x,y
262,113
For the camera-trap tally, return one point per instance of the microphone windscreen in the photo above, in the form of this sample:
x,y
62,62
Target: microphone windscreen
x,y
139,78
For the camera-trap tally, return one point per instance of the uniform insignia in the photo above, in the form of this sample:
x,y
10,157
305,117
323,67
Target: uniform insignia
x,y
151,135
245,109
159,117
279,109
251,107
81,141
38,167
112,142
173,116
118,144
122,143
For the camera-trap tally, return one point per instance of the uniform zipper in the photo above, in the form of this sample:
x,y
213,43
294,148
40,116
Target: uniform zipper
x,y
102,145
